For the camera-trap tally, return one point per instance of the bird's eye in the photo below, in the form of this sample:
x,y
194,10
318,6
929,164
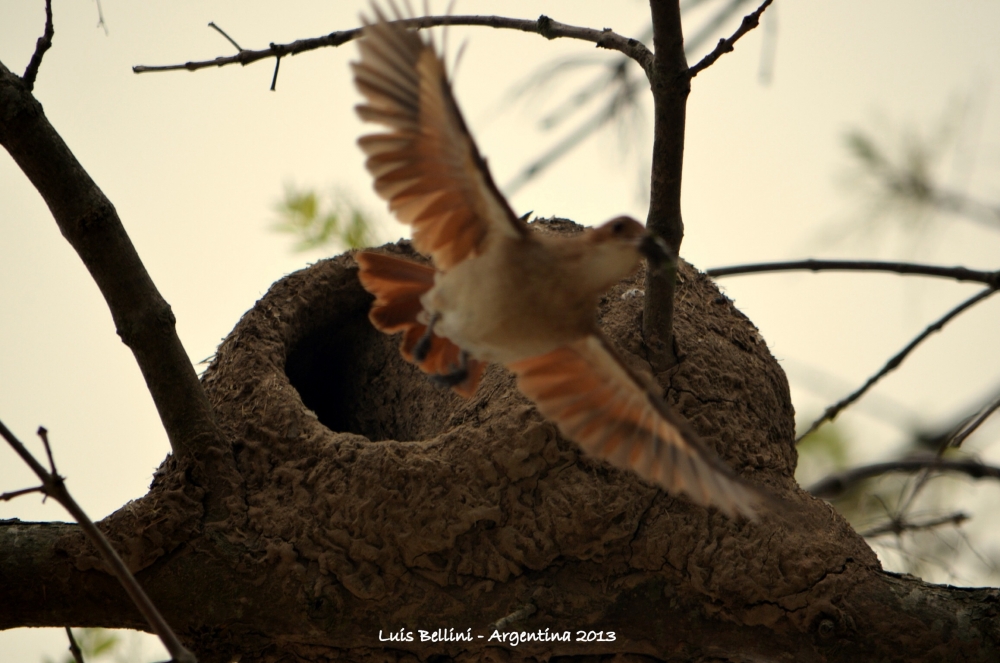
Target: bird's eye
x,y
618,227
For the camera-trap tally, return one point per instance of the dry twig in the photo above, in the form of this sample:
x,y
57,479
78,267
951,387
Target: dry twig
x,y
54,487
750,21
991,279
835,409
899,525
43,44
543,26
74,648
836,484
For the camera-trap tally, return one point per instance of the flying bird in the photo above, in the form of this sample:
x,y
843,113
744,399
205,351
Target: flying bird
x,y
500,292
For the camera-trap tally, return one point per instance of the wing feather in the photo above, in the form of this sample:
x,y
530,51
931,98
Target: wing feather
x,y
598,403
398,285
426,165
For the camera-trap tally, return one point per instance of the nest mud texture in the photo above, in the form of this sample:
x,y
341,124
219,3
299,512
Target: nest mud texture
x,y
380,501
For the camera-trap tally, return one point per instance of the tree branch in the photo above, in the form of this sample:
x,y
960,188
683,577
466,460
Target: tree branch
x,y
74,648
991,279
90,223
968,427
670,85
837,484
543,26
750,21
43,44
835,409
54,486
899,525
222,32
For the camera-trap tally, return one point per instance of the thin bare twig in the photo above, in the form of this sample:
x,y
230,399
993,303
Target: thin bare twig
x,y
274,78
835,409
836,484
222,32
898,526
53,485
6,497
991,279
100,18
543,26
750,21
970,426
44,434
711,27
74,648
43,44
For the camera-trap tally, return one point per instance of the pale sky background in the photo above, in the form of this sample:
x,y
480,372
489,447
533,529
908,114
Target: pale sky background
x,y
194,163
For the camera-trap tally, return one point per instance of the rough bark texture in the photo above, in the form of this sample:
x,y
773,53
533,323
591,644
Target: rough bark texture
x,y
372,500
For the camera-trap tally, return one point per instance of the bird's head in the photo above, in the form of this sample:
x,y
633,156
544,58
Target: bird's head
x,y
616,249
626,236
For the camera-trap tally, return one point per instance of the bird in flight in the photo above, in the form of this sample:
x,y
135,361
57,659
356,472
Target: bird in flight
x,y
500,292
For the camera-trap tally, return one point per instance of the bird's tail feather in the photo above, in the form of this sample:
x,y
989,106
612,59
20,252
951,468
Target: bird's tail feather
x,y
398,285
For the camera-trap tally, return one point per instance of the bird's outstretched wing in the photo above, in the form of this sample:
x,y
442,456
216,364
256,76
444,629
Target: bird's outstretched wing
x,y
599,404
426,166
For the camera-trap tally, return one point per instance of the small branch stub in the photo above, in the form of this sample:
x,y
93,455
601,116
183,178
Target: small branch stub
x,y
43,44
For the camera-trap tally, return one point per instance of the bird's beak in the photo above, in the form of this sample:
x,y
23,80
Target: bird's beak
x,y
656,251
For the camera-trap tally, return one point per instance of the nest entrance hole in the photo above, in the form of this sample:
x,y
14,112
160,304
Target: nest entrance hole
x,y
353,377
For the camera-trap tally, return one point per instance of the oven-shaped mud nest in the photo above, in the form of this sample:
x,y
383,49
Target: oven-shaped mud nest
x,y
306,357
382,493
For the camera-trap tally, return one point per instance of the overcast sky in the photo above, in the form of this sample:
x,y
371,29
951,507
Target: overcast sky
x,y
194,163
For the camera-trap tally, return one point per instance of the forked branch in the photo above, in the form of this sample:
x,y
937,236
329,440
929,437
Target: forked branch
x,y
53,486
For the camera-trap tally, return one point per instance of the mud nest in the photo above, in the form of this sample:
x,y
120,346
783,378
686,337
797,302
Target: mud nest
x,y
373,492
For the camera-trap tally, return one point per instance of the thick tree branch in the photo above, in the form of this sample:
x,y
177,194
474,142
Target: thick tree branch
x,y
835,409
43,44
836,484
543,26
90,223
54,487
670,85
991,279
750,21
